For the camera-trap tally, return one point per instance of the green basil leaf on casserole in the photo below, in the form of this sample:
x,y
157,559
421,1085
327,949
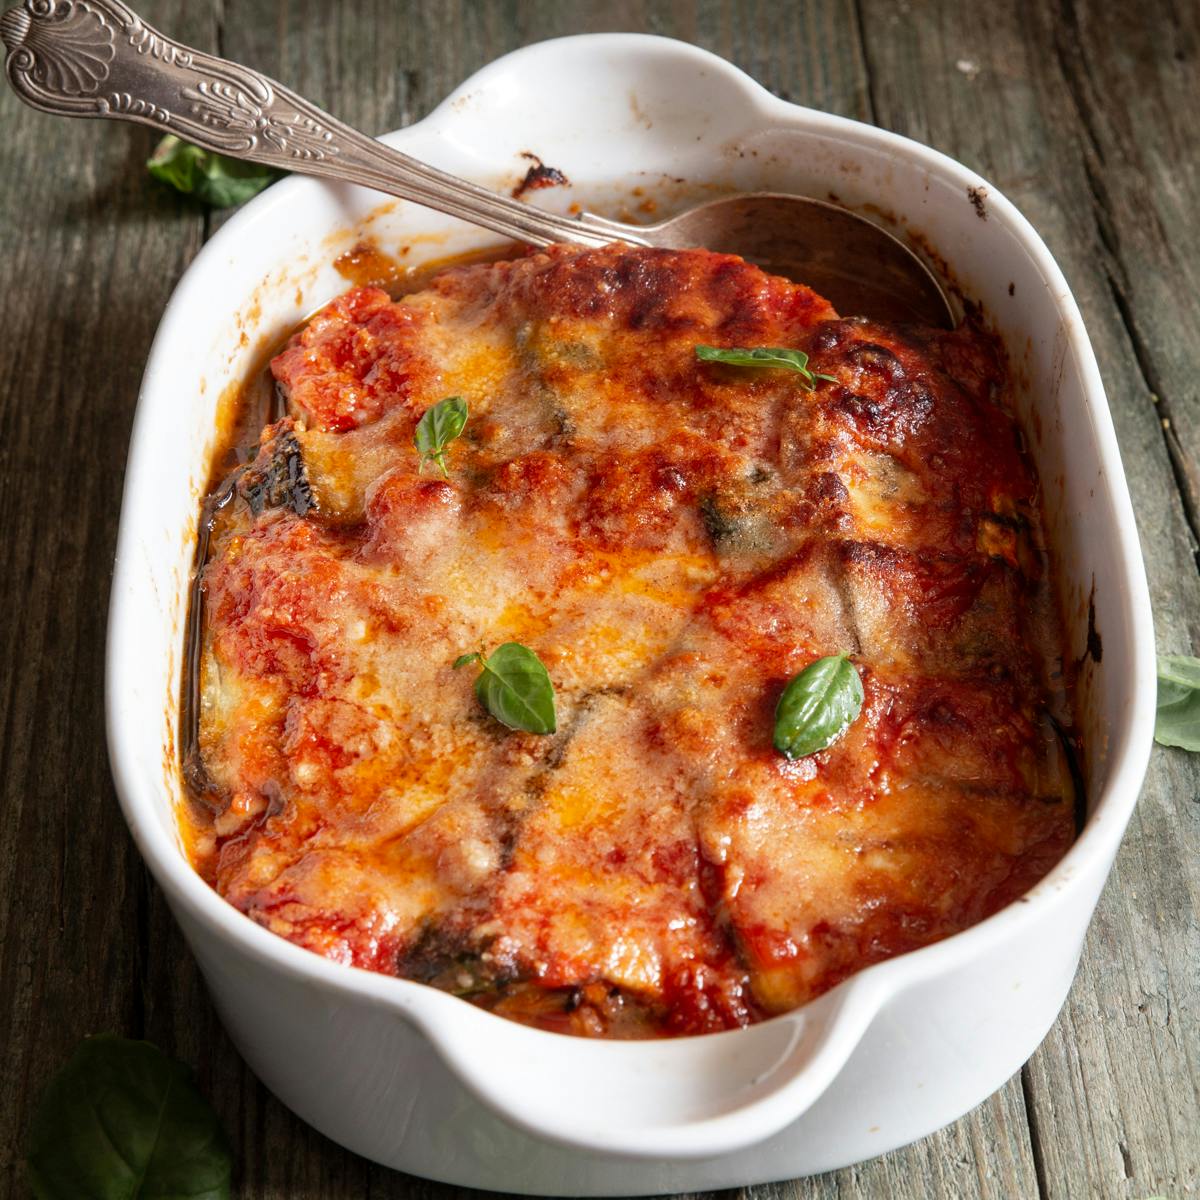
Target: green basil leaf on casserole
x,y
123,1120
440,425
212,178
1177,722
515,688
764,356
817,706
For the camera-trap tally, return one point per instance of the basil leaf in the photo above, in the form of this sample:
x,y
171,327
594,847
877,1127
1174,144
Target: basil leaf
x,y
440,425
122,1120
1181,670
212,178
817,706
764,356
1178,719
515,688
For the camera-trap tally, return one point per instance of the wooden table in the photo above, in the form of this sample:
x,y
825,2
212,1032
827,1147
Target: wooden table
x,y
1085,115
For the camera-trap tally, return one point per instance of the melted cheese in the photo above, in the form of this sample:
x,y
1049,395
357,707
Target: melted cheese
x,y
674,540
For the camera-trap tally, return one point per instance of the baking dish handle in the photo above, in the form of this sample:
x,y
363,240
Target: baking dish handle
x,y
693,1097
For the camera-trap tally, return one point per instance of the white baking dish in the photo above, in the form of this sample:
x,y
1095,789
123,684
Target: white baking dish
x,y
422,1081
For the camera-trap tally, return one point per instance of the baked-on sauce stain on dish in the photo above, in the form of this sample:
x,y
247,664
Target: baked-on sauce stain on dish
x,y
675,540
538,176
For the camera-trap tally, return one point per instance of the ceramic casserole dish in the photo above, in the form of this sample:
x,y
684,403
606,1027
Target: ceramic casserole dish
x,y
424,1082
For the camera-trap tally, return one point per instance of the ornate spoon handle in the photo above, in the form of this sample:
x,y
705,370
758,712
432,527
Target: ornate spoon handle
x,y
98,58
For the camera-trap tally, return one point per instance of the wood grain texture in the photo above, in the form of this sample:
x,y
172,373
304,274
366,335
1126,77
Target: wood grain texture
x,y
1084,115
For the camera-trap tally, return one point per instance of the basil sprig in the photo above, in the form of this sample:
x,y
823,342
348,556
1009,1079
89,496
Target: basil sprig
x,y
514,687
440,425
121,1119
212,178
764,356
817,706
1177,722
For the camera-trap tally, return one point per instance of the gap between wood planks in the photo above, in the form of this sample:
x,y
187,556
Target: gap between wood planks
x,y
1035,1134
864,49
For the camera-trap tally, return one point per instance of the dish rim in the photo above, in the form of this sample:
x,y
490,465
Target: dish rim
x,y
438,1014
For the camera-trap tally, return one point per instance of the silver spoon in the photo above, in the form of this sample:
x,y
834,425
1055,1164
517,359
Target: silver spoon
x,y
100,59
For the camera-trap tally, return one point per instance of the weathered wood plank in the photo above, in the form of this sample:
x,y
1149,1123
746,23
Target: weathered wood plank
x,y
1131,75
91,248
1132,78
1094,137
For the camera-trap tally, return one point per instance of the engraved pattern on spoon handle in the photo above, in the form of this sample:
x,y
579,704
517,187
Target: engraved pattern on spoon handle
x,y
98,58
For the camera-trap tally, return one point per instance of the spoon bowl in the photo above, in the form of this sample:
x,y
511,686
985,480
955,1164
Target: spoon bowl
x,y
860,268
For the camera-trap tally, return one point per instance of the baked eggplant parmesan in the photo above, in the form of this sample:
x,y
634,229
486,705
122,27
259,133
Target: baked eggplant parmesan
x,y
672,535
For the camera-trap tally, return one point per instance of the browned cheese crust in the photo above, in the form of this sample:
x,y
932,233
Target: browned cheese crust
x,y
675,540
